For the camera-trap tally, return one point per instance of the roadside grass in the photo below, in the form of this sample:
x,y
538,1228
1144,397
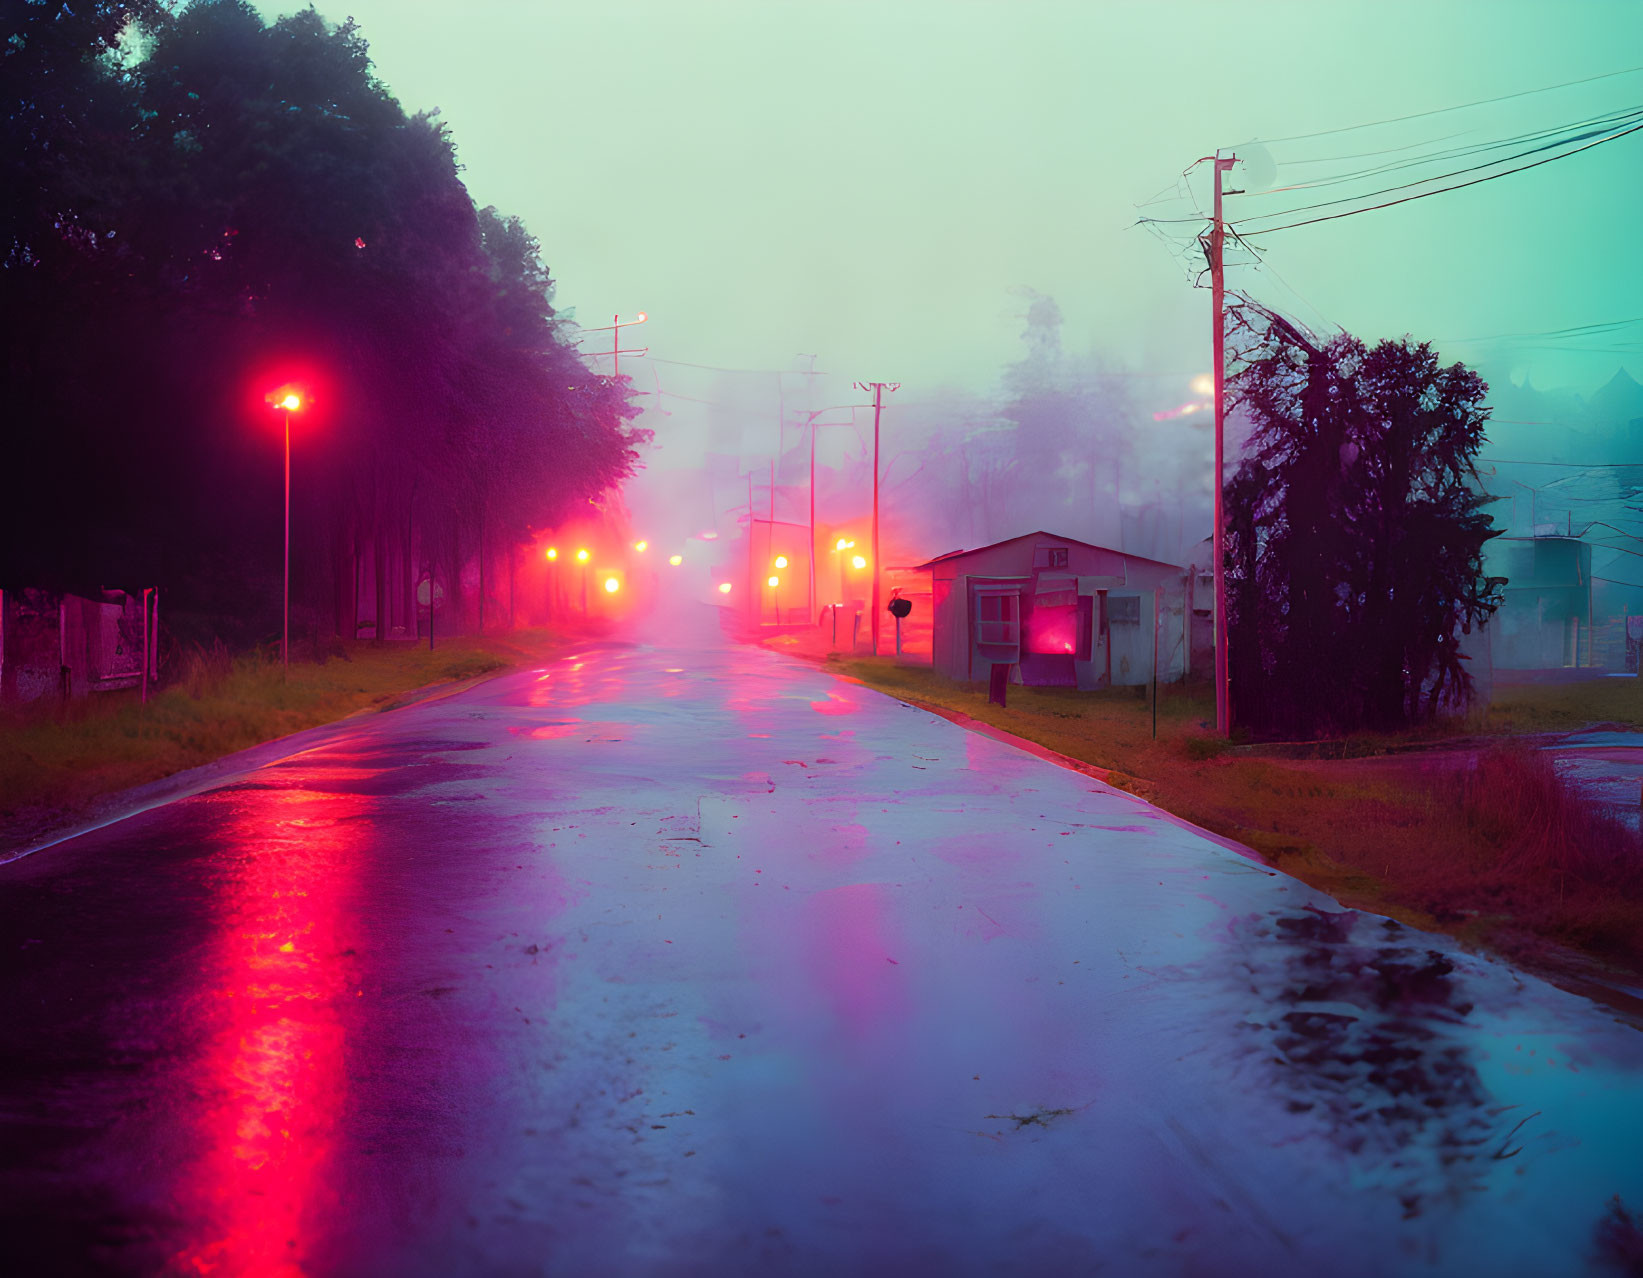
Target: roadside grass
x,y
57,761
1566,707
1485,843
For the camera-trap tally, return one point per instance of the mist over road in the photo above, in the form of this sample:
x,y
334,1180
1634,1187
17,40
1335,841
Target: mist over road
x,y
696,960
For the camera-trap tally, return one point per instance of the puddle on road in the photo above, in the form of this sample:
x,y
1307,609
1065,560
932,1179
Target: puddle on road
x,y
1362,1032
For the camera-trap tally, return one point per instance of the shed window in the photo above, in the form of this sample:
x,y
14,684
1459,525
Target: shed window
x,y
998,619
1123,610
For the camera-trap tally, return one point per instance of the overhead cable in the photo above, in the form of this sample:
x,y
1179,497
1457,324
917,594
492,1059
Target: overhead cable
x,y
1330,217
1464,106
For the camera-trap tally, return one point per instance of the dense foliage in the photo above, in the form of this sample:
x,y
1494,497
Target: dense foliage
x,y
1354,535
198,205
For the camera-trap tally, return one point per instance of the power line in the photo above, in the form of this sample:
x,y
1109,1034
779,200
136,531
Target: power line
x,y
1630,114
761,372
1634,115
1583,131
1510,461
1465,106
1370,155
1601,327
1600,121
1330,217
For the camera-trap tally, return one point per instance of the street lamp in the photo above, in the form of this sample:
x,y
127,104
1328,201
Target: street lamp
x,y
616,326
287,399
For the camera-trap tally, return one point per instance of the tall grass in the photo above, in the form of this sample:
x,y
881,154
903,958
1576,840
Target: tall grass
x,y
1513,797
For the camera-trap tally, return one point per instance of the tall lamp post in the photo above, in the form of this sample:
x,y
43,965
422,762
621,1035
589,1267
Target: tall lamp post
x,y
288,399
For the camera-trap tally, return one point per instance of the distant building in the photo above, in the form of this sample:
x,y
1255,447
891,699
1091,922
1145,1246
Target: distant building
x,y
54,644
1057,612
1557,614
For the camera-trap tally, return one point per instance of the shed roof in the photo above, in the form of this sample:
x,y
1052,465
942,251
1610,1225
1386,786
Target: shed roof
x,y
976,550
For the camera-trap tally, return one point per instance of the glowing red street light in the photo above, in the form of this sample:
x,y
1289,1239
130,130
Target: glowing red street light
x,y
553,552
612,585
676,560
288,399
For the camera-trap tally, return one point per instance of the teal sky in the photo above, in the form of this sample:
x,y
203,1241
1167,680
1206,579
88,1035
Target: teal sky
x,y
869,182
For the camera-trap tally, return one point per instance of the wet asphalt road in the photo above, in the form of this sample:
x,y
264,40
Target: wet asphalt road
x,y
701,962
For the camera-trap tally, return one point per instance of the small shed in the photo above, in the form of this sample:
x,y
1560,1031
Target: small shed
x,y
1057,612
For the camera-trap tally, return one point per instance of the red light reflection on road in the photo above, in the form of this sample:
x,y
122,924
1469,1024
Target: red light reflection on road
x,y
852,958
834,704
271,1084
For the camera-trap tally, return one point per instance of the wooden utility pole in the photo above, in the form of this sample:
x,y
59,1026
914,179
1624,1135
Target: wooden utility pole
x,y
878,389
1217,241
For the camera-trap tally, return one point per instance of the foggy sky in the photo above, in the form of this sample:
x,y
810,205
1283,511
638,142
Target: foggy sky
x,y
869,182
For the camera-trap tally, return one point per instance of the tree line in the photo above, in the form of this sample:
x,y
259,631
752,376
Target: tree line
x,y
198,205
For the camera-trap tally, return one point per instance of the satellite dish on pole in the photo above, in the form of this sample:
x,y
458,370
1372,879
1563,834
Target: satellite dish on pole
x,y
1258,170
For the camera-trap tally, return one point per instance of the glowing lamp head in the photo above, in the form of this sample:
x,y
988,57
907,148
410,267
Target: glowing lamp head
x,y
643,317
640,546
553,552
774,582
676,560
288,398
781,561
612,585
840,544
1203,384
858,562
724,587
581,556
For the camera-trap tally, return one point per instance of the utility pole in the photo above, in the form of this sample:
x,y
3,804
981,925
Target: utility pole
x,y
1217,241
810,423
878,389
770,541
616,326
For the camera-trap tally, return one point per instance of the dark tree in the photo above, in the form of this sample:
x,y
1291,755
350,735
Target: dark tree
x,y
1355,534
243,201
